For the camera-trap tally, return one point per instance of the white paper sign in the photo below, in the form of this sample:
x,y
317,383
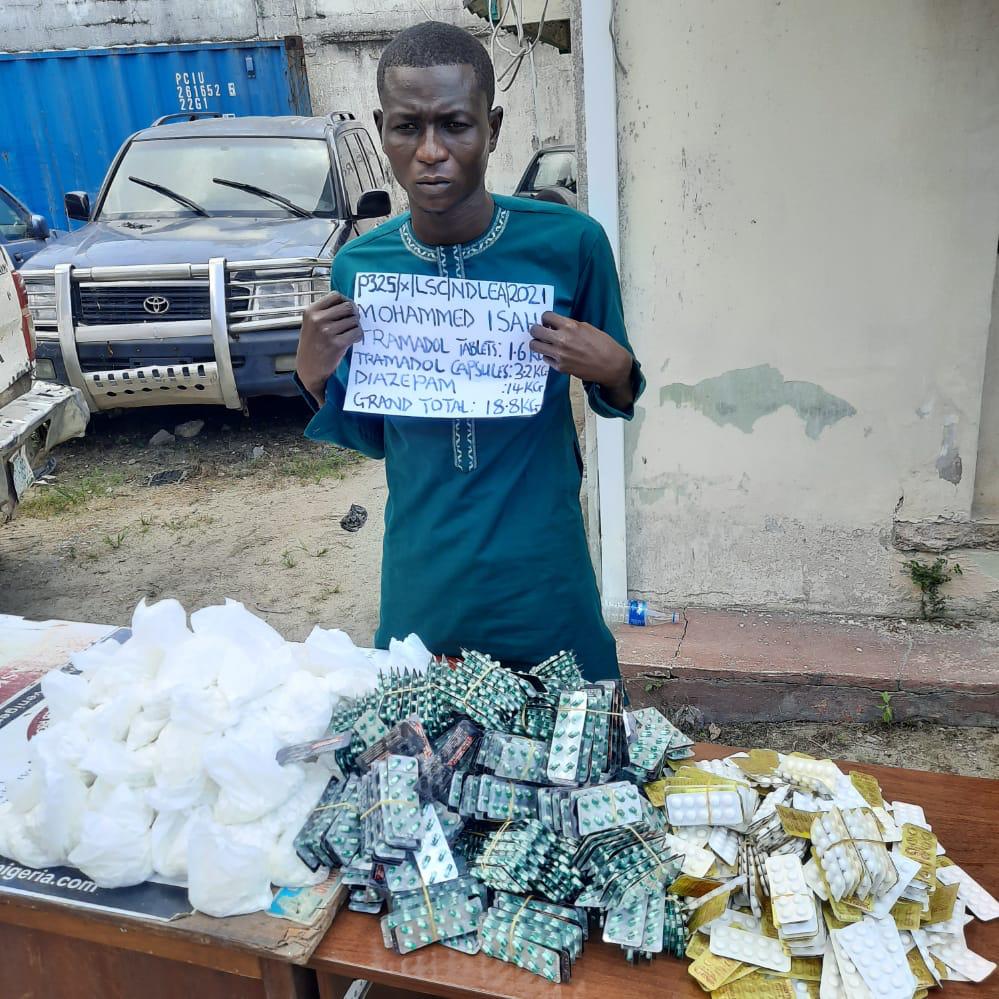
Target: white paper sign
x,y
447,347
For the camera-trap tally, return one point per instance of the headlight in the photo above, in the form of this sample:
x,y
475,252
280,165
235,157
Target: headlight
x,y
274,299
41,301
273,295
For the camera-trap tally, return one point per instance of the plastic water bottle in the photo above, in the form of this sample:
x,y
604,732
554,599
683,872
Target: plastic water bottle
x,y
637,613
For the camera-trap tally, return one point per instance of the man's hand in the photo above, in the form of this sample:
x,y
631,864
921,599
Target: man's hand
x,y
580,349
329,328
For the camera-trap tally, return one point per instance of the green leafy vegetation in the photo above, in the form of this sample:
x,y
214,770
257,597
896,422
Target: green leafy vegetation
x,y
929,579
51,501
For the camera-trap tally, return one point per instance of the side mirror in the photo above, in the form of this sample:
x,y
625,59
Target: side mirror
x,y
374,204
38,227
77,205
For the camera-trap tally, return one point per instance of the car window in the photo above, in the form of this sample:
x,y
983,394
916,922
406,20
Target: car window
x,y
363,166
13,221
297,169
554,169
373,159
352,176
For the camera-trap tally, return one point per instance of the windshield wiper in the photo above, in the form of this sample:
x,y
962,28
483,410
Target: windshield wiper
x,y
173,195
262,193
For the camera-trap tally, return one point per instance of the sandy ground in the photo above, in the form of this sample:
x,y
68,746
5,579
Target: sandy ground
x,y
264,528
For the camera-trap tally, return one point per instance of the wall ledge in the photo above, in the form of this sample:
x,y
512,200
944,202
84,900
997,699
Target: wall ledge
x,y
944,535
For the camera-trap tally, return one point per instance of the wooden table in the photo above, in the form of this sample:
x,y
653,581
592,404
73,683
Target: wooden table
x,y
963,811
50,950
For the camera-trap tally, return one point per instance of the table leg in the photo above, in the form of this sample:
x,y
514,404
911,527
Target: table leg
x,y
333,986
288,981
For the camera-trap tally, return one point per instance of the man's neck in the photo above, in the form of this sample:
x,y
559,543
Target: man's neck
x,y
462,224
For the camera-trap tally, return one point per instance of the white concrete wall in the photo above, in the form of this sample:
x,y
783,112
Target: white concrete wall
x,y
343,39
810,208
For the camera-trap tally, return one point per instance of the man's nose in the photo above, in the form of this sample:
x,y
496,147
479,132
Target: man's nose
x,y
431,149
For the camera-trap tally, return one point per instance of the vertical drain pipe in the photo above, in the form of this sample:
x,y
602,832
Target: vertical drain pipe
x,y
600,109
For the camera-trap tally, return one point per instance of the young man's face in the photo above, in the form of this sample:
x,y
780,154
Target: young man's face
x,y
437,131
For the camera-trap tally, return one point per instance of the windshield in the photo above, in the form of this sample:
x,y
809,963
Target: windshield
x,y
297,169
556,169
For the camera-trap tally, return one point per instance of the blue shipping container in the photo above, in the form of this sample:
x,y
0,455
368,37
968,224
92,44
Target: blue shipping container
x,y
66,113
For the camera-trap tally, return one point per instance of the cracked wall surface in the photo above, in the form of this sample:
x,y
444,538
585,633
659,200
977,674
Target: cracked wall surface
x,y
810,212
342,39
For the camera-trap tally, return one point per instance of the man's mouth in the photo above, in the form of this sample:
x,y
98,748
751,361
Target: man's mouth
x,y
433,183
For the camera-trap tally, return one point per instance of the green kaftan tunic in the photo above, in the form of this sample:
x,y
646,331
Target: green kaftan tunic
x,y
484,542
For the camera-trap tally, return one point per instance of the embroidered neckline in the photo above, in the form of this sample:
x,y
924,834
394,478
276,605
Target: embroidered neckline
x,y
501,216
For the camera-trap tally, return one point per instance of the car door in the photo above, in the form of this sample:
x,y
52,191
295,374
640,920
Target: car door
x,y
15,222
361,171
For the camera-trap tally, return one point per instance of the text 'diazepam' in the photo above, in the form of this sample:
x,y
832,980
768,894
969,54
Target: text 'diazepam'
x,y
447,347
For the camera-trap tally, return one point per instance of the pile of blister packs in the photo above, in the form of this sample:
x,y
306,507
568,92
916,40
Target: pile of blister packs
x,y
516,813
487,809
812,885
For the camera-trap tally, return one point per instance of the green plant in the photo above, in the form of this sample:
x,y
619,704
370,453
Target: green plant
x,y
325,593
315,465
115,541
887,713
287,559
54,500
318,553
929,579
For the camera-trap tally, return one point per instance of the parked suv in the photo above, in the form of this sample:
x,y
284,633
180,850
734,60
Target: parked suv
x,y
22,234
206,241
34,416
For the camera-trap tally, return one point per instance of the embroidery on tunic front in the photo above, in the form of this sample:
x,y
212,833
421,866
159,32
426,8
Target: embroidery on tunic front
x,y
489,237
473,457
484,242
414,246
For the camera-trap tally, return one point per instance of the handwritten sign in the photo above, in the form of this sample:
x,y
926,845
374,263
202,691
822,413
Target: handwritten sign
x,y
447,347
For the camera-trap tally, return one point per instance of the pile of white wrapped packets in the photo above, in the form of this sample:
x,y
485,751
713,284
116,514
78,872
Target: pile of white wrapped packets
x,y
517,814
159,754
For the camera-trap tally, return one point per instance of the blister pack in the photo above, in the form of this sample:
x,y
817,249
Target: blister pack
x,y
527,858
542,939
443,912
874,947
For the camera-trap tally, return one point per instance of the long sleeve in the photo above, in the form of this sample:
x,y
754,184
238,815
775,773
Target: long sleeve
x,y
358,431
598,302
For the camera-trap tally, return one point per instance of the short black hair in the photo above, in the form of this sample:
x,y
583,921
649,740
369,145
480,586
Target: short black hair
x,y
434,43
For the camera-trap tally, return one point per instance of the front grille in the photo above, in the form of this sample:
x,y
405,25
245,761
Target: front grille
x,y
237,297
101,304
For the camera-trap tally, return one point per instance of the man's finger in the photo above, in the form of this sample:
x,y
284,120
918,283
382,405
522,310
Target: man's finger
x,y
548,352
350,337
328,301
555,321
342,310
338,328
543,334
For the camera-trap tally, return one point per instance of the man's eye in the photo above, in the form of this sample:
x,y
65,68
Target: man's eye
x,y
406,126
458,124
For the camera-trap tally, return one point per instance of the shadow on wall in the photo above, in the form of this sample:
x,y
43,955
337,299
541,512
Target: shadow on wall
x,y
743,396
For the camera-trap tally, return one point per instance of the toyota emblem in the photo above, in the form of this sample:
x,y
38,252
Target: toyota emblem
x,y
156,305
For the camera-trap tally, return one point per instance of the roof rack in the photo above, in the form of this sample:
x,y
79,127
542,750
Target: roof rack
x,y
341,116
186,116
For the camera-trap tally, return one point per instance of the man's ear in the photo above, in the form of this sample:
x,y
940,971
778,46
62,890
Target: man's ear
x,y
495,124
379,118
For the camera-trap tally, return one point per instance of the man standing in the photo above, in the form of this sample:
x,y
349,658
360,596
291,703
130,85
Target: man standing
x,y
484,541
